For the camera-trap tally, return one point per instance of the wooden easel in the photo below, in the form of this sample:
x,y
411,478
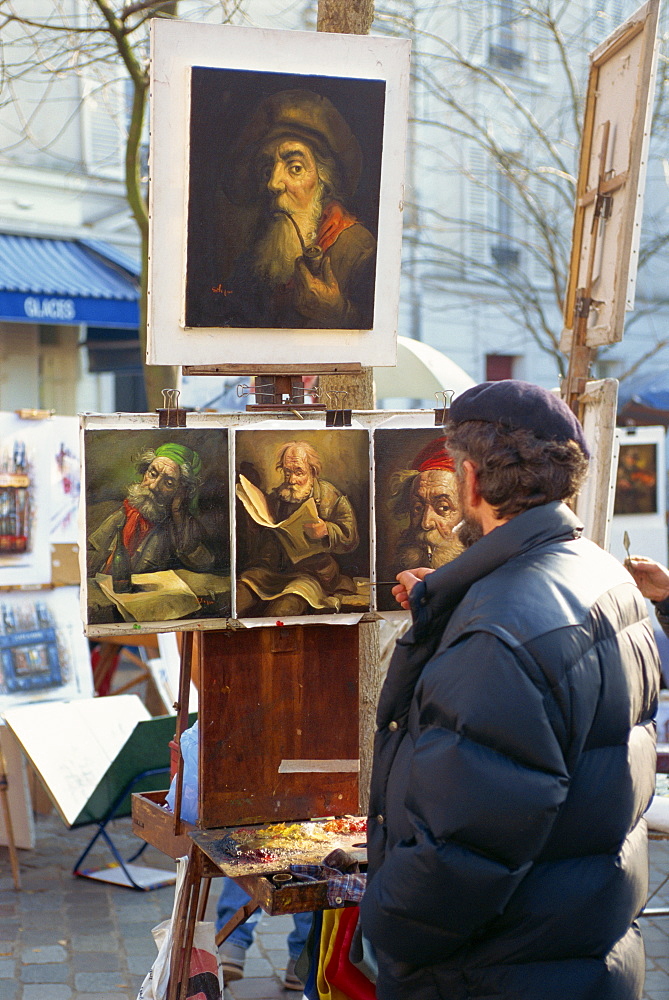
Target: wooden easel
x,y
280,695
607,212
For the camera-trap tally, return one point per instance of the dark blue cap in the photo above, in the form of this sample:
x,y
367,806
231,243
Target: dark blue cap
x,y
516,405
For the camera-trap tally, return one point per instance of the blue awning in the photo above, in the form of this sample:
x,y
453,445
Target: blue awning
x,y
67,282
650,389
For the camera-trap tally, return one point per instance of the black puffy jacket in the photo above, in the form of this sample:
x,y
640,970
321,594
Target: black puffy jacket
x,y
514,759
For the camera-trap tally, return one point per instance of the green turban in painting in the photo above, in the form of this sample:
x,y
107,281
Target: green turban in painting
x,y
182,455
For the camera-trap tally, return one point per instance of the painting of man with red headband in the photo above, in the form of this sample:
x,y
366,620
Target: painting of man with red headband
x,y
417,505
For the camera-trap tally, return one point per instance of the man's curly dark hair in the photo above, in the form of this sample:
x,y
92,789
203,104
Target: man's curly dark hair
x,y
516,469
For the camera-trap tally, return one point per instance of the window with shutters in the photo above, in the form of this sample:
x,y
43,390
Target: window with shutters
x,y
541,50
104,127
607,15
507,48
475,30
477,222
504,249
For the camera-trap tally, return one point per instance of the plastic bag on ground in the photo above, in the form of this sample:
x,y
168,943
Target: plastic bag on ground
x,y
205,978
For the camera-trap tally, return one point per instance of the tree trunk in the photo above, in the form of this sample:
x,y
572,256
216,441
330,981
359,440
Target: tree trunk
x,y
354,17
351,17
156,377
359,389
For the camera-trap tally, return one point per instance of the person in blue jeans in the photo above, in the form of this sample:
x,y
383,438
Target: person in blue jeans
x,y
233,949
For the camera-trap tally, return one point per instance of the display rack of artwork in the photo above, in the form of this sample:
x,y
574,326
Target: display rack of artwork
x,y
294,512
319,519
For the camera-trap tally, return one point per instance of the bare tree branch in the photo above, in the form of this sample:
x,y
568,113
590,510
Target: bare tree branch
x,y
509,139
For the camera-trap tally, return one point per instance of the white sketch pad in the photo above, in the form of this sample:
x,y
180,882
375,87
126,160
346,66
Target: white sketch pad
x,y
176,46
72,744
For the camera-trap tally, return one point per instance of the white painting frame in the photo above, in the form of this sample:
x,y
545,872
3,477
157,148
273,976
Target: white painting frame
x,y
176,48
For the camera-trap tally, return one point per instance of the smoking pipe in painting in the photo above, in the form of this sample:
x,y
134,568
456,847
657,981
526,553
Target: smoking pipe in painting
x,y
312,255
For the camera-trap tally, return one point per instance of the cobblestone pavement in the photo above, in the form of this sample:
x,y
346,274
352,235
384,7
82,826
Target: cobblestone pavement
x,y
67,938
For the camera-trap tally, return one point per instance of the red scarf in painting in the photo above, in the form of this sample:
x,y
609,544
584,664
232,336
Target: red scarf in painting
x,y
134,530
334,220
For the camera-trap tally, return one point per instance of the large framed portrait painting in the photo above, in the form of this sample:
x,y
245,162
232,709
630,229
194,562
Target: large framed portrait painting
x,y
287,243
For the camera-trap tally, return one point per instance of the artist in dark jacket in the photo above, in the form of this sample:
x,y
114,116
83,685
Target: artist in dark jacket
x,y
515,752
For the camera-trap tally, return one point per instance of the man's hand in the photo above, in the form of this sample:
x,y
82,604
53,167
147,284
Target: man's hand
x,y
318,298
651,578
408,578
316,529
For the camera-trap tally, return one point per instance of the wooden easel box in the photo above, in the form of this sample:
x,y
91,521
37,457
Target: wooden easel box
x,y
154,824
271,699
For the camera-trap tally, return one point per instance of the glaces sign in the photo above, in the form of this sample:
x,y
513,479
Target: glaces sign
x,y
46,308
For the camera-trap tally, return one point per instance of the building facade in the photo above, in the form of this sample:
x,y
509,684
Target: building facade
x,y
496,109
68,245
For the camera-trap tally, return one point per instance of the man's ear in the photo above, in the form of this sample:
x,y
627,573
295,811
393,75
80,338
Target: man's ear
x,y
471,483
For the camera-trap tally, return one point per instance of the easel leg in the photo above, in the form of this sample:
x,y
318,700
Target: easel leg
x,y
242,914
190,925
204,899
11,845
184,929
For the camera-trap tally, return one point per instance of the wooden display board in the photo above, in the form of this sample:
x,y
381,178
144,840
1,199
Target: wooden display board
x,y
240,472
594,504
278,725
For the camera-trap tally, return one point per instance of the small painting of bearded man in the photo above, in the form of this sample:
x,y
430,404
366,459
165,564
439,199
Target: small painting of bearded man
x,y
302,546
428,494
158,520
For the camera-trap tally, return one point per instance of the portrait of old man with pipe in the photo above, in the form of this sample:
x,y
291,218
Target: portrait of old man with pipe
x,y
309,261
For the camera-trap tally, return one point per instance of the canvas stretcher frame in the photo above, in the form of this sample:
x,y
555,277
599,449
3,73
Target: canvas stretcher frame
x,y
609,194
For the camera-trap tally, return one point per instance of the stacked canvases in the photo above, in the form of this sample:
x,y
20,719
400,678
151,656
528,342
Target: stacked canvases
x,y
272,521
